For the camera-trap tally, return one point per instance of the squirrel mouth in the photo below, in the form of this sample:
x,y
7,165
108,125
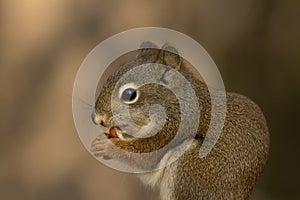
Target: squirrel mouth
x,y
116,132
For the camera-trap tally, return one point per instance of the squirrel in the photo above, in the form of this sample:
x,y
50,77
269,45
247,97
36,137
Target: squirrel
x,y
229,171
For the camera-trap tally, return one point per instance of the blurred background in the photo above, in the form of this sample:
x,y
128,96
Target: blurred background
x,y
254,43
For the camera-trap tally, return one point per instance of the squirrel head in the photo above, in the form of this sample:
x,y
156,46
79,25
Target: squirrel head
x,y
127,110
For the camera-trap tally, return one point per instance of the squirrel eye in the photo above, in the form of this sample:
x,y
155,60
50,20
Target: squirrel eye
x,y
128,94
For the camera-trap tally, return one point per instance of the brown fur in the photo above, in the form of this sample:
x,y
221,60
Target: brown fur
x,y
229,171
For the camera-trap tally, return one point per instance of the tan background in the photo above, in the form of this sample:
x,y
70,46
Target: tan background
x,y
255,44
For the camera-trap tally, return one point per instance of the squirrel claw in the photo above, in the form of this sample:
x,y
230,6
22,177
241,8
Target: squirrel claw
x,y
102,147
105,157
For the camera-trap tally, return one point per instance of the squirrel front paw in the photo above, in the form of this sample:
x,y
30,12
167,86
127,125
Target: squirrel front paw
x,y
103,147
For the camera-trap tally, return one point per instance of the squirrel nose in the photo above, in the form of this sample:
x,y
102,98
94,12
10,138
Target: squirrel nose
x,y
98,119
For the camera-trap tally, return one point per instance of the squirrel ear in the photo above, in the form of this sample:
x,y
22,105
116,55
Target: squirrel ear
x,y
148,45
146,48
170,56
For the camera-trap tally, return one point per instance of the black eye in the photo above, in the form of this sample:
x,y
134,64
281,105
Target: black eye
x,y
129,95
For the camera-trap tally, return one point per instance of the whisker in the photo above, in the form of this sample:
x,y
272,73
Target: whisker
x,y
85,103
